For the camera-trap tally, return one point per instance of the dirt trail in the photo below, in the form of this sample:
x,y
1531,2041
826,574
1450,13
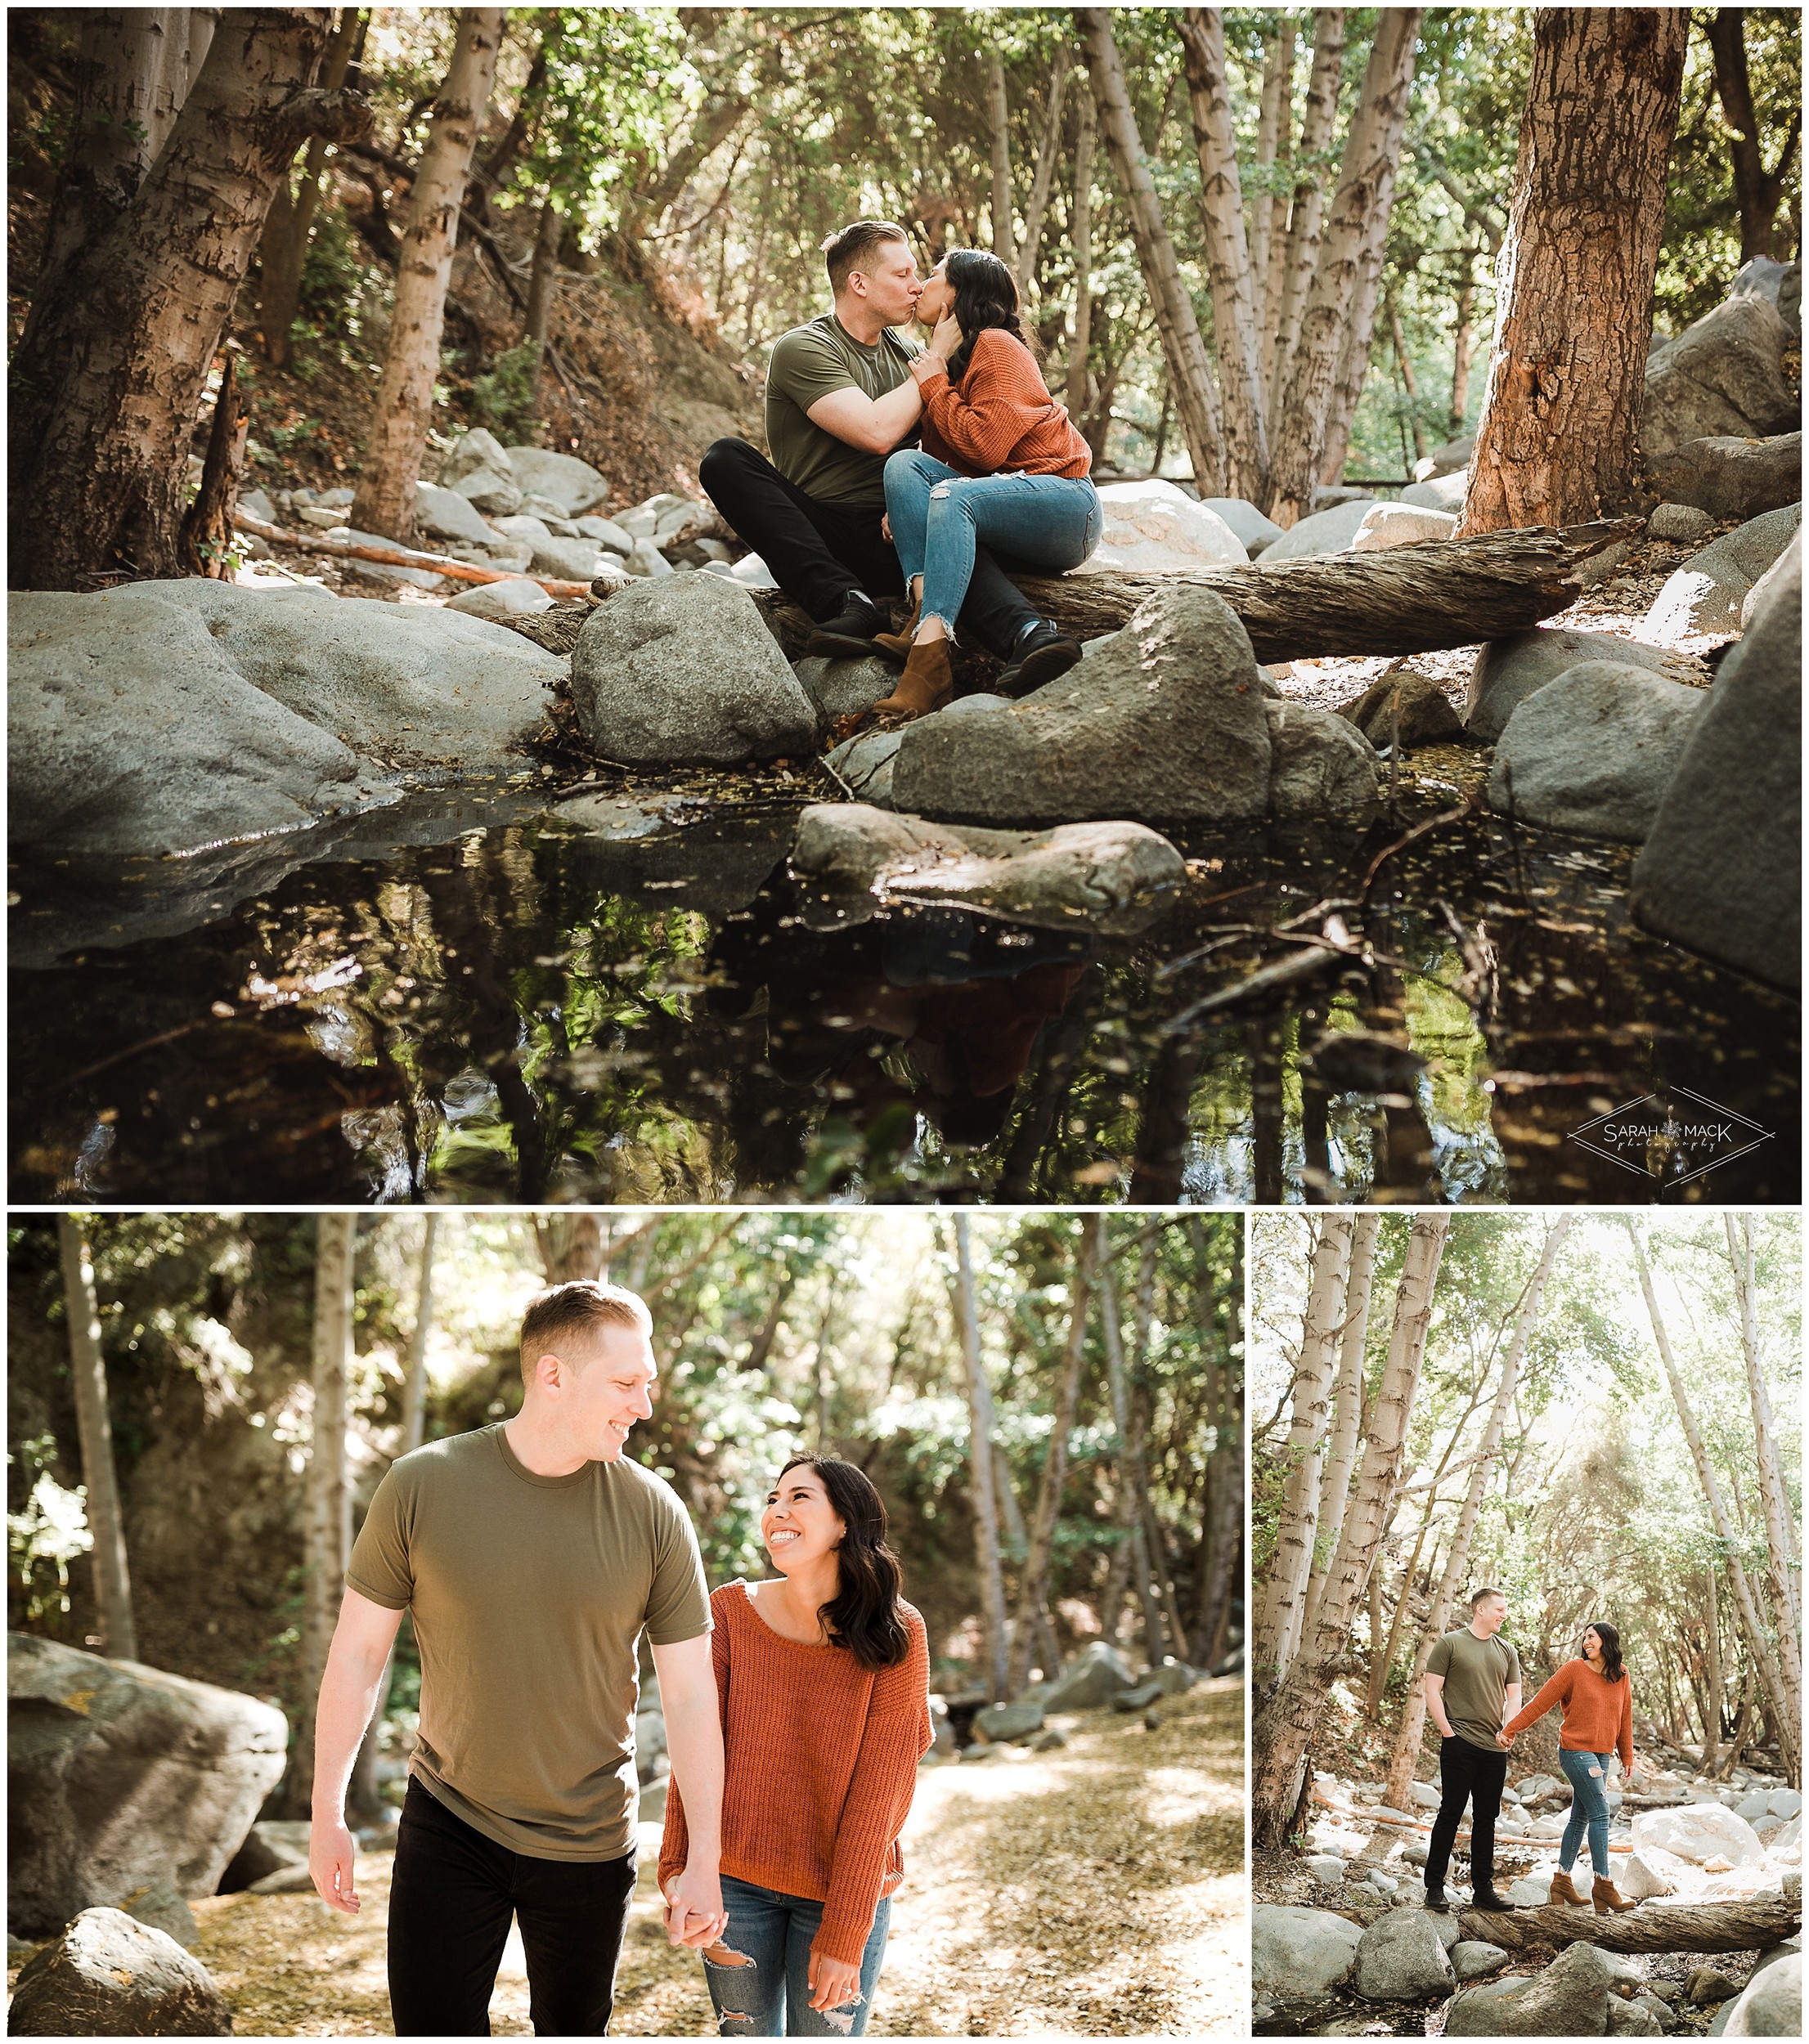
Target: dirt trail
x,y
1097,1891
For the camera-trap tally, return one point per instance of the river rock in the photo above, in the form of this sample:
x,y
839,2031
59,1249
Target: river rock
x,y
471,452
1567,1998
1632,2018
1771,2005
1000,1722
1443,492
551,513
606,533
1698,1833
1095,1675
1785,1802
1681,524
1109,877
499,600
272,1846
1645,1874
1708,593
1723,374
1721,868
1731,477
1788,563
1403,704
1164,722
1401,525
1320,764
445,514
1507,671
1327,1868
685,671
1400,1958
864,763
573,484
1528,1893
1447,458
647,560
1152,527
1328,532
1299,1955
1253,531
422,578
88,1738
1594,750
108,1975
844,687
1472,1960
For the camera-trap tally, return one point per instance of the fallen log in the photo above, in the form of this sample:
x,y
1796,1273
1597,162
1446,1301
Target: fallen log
x,y
1654,1926
399,557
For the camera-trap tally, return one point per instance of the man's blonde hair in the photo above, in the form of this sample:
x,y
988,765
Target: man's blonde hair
x,y
582,1306
853,247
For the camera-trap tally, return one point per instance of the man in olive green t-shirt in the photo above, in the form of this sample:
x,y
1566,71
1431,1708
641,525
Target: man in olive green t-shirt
x,y
530,1555
839,398
1472,1688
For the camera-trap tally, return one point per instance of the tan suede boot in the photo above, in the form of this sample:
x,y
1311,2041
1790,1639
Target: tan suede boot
x,y
1608,1896
926,683
897,645
1563,1891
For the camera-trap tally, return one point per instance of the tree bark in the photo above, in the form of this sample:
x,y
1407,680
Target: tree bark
x,y
1130,1487
980,1466
1080,230
1032,245
109,372
1274,147
94,1429
1409,381
415,1390
1718,1687
1341,1454
1756,189
1222,1517
571,1245
1196,398
328,1493
283,251
386,502
1463,348
1654,1926
1354,354
1559,436
1333,316
207,525
998,121
542,283
1296,255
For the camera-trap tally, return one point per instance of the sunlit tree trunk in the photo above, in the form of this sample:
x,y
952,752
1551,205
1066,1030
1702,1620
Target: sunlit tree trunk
x,y
1463,350
1718,1693
542,281
998,121
1296,255
94,1429
570,1243
1558,441
980,1466
1353,357
1341,1454
1081,337
1274,147
1758,190
1046,156
385,501
1130,1486
1221,1527
283,252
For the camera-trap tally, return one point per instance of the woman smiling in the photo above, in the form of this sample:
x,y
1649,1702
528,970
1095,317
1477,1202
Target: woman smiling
x,y
823,1678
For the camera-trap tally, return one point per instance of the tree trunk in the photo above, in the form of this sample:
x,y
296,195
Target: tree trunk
x,y
1274,147
1654,1926
109,372
1341,1454
999,120
542,285
1154,1537
1296,255
1756,189
1197,398
1284,1722
1202,33
1463,347
207,525
1046,157
1130,1487
415,1390
1718,1690
1409,381
1340,305
980,1465
1406,1739
386,502
1558,436
283,252
1222,1517
328,1493
571,1245
1034,1590
1080,231
94,1428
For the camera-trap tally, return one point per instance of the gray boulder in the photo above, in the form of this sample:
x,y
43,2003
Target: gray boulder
x,y
1567,1998
1472,1960
1789,563
647,560
383,572
88,1738
1508,670
1002,1722
499,600
570,560
685,671
1678,523
273,1847
108,1975
505,555
1732,477
573,484
1328,532
1386,525
1594,750
1320,764
1447,458
844,687
471,452
1300,1954
864,763
551,513
1164,721
495,495
1095,1675
1702,1831
1400,1958
1405,706
1632,2018
1723,374
1789,300
446,514
1251,527
606,533
1442,492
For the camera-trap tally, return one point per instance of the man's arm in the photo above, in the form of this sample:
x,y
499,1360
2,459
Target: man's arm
x,y
1435,1704
355,1664
875,425
689,1695
1511,1707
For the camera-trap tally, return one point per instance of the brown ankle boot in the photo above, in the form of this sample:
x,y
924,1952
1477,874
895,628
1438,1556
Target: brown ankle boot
x,y
1607,1896
1563,1891
897,645
926,683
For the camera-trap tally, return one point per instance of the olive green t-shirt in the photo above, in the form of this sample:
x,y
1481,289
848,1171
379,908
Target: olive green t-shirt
x,y
810,363
1477,1673
528,1595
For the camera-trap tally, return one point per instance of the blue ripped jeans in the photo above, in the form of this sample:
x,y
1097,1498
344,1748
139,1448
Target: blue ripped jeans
x,y
938,515
770,1996
1587,1774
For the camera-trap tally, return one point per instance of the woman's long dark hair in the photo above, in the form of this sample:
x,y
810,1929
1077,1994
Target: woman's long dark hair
x,y
985,296
862,1616
1612,1670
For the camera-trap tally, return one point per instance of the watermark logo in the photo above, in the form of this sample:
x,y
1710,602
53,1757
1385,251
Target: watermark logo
x,y
1671,1137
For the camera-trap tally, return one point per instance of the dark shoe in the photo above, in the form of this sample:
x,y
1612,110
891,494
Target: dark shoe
x,y
1043,654
1437,1901
850,633
1486,1899
926,683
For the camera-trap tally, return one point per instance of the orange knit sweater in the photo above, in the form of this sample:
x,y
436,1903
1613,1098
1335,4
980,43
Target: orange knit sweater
x,y
1598,1715
1000,416
820,1761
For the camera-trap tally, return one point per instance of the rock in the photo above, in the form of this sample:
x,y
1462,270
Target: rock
x,y
1471,1960
1529,1894
1248,526
1732,478
1109,877
1788,563
286,1881
1594,750
1328,494
567,560
1508,670
647,560
1095,1675
864,763
1720,870
1707,1985
1383,1884
516,598
1723,374
551,513
157,1903
1754,1807
321,518
689,673
1785,1802
390,576
471,452
1401,525
1445,1927
1631,2019
844,687
1403,704
491,491
499,552
1771,2005
1790,1837
1791,1948
753,572
1050,1740
1327,1868
1320,765
88,1738
1164,722
1330,531
1003,1721
1299,1955
1152,526
258,505
1790,300
1658,2010
1447,458
570,483
1645,1876
1400,1958
445,514
1761,275
1567,1998
1701,1830
108,1975
1414,1853
268,1848
1680,523
606,533
1443,492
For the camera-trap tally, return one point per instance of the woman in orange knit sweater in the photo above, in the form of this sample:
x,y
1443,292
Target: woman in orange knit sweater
x,y
823,1676
1598,1720
1000,462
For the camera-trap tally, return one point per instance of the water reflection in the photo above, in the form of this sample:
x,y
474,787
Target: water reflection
x,y
532,1012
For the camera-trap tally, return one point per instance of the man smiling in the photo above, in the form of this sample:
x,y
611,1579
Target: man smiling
x,y
530,1555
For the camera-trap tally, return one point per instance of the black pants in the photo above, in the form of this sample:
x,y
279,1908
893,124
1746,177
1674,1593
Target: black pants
x,y
451,1899
820,554
1466,1774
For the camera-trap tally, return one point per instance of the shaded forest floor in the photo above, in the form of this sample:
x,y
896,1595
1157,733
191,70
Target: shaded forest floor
x,y
1097,1891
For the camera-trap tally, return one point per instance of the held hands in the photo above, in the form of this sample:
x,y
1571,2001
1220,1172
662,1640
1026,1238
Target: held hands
x,y
695,1914
1504,1740
330,1856
833,1982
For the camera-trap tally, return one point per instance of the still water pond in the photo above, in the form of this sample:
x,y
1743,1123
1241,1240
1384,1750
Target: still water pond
x,y
511,1009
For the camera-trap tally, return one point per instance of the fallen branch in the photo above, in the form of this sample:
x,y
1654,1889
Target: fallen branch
x,y
1654,1926
1335,943
400,557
